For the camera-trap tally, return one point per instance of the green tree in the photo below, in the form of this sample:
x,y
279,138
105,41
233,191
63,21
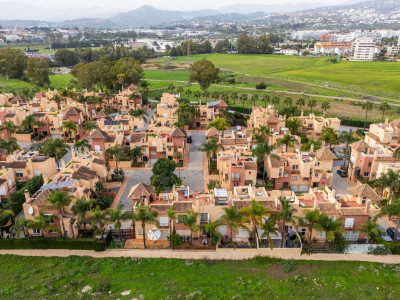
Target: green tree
x,y
70,126
82,145
12,63
232,218
371,229
331,226
211,148
269,228
99,220
287,140
234,97
288,101
254,214
383,107
29,122
212,229
116,216
255,98
219,124
42,222
20,225
163,177
171,88
171,218
58,200
325,106
293,125
204,72
9,126
329,136
10,145
188,92
191,222
312,103
311,221
80,208
145,214
389,180
115,152
392,209
367,106
307,146
38,70
286,215
347,138
55,148
275,101
266,99
262,149
300,103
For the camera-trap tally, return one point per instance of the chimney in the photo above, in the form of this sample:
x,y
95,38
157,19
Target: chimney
x,y
315,203
302,113
387,121
367,206
27,196
312,148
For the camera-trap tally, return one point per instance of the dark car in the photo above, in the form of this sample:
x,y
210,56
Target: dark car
x,y
384,235
342,173
189,139
391,232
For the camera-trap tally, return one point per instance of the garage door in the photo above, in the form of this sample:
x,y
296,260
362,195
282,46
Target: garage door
x,y
153,161
56,136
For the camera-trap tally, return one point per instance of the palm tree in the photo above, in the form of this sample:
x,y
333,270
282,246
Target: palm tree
x,y
307,146
206,94
367,106
347,138
55,148
80,208
392,209
301,102
29,122
116,216
396,154
390,180
197,95
171,88
329,135
255,98
139,113
312,103
20,225
270,228
286,215
214,95
179,90
9,126
325,106
58,200
89,125
331,226
254,213
234,97
383,107
82,145
191,222
243,98
211,148
288,101
136,153
371,228
266,99
10,145
275,100
232,218
99,219
293,125
70,126
145,215
261,151
311,221
171,217
116,153
287,140
211,229
188,92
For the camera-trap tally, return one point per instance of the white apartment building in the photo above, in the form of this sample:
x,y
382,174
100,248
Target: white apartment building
x,y
363,49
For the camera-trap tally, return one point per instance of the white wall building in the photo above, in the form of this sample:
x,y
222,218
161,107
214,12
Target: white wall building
x,y
363,49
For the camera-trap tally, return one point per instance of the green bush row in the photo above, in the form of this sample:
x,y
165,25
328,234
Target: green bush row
x,y
354,122
52,243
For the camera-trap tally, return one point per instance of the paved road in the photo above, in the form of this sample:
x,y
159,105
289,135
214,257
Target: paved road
x,y
193,176
339,184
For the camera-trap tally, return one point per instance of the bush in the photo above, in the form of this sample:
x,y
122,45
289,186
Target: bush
x,y
52,243
289,265
175,239
261,86
379,250
104,202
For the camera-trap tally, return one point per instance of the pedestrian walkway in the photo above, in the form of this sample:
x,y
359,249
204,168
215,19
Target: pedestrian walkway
x,y
229,254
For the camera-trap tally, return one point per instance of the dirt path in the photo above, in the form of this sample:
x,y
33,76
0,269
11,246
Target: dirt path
x,y
213,255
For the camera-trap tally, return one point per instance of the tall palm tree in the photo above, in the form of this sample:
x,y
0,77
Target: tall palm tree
x,y
197,95
270,228
114,152
29,122
116,216
171,88
254,213
10,127
211,148
307,146
179,89
311,221
255,98
300,103
367,106
139,113
293,125
145,214
276,100
286,215
243,98
58,200
371,228
99,219
331,226
70,126
266,99
261,151
214,95
212,229
347,138
188,92
82,145
325,106
191,222
171,218
20,225
206,94
234,96
89,125
392,209
390,180
288,101
287,140
80,208
232,218
329,135
311,104
55,148
383,107
10,145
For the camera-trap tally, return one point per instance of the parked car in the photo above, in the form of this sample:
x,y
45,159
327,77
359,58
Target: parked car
x,y
189,139
384,234
391,232
342,173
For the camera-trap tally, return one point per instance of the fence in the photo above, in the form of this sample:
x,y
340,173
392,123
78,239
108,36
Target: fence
x,y
124,233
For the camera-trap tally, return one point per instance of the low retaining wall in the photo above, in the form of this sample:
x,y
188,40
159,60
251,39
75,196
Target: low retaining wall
x,y
22,137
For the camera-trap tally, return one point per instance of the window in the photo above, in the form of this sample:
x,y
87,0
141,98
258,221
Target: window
x,y
97,148
226,177
204,217
303,231
369,164
295,167
316,175
163,221
351,235
364,200
294,178
36,232
235,177
280,172
165,197
52,231
19,174
144,199
243,233
349,223
182,218
366,174
318,163
140,231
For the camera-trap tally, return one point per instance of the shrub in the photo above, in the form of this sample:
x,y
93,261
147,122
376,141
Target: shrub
x,y
103,286
52,243
289,265
379,250
175,239
104,201
261,86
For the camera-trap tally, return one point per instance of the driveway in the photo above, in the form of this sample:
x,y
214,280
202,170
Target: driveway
x,y
193,176
339,183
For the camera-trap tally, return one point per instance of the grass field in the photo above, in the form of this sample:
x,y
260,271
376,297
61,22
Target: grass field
x,y
15,83
375,78
260,278
60,81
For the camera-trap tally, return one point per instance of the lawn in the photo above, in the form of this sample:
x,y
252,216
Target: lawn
x,y
260,278
15,83
166,75
60,81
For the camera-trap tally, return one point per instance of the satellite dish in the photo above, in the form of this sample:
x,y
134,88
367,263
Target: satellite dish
x,y
30,210
154,234
269,106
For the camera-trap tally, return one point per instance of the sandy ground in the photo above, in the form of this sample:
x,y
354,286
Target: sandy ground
x,y
213,255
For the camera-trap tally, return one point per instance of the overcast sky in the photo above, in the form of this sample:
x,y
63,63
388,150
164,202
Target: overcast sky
x,y
165,4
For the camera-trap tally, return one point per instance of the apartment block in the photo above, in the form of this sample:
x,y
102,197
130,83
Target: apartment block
x,y
363,49
312,125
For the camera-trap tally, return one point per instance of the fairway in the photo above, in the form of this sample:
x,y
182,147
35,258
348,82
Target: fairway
x,y
60,81
15,83
259,278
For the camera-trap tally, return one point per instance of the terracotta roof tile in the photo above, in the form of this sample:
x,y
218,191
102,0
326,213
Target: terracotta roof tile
x,y
84,173
139,190
364,190
324,154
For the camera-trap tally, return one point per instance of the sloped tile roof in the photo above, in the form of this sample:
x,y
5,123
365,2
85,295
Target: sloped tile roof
x,y
364,190
177,132
139,190
360,145
84,173
324,154
99,134
73,111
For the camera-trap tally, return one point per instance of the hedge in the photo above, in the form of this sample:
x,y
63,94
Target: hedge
x,y
52,243
355,123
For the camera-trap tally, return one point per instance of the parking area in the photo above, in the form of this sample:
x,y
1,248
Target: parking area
x,y
339,183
